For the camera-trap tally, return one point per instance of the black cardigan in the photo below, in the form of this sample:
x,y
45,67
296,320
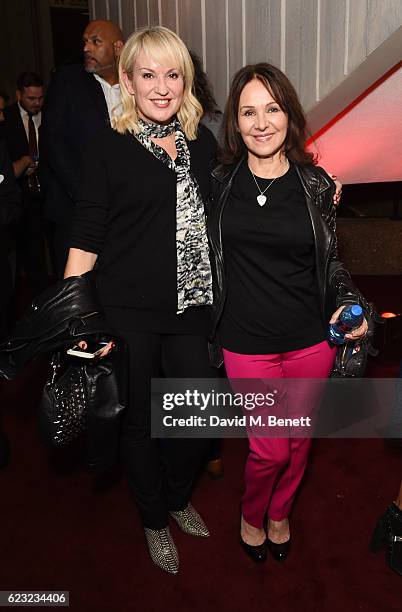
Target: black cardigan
x,y
126,213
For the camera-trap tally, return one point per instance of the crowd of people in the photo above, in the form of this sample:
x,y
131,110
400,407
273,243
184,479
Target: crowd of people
x,y
203,255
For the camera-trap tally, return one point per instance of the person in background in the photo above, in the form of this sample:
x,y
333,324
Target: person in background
x,y
10,210
140,217
21,133
212,115
272,221
388,534
22,122
388,531
4,98
80,102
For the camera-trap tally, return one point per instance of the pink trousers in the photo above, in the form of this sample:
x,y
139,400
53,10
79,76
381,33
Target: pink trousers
x,y
275,466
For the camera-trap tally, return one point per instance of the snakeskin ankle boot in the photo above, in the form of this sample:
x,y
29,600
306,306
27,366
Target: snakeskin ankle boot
x,y
190,521
162,549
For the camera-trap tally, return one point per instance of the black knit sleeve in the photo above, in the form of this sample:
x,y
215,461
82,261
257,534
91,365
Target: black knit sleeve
x,y
92,205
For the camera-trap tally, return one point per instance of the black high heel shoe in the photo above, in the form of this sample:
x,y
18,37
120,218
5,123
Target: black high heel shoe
x,y
388,535
279,551
258,554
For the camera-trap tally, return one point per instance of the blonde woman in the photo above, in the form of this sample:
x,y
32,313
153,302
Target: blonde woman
x,y
140,218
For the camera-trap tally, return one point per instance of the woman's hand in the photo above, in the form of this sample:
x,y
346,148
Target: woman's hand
x,y
338,192
105,351
354,334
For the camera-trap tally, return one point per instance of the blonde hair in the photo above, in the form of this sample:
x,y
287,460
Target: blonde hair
x,y
164,47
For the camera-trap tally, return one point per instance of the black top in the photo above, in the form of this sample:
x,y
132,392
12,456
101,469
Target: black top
x,y
126,213
272,303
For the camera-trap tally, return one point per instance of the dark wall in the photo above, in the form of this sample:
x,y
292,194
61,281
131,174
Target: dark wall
x,y
67,28
17,48
372,200
27,41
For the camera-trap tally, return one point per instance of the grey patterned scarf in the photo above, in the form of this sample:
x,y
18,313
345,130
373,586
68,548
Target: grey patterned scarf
x,y
194,279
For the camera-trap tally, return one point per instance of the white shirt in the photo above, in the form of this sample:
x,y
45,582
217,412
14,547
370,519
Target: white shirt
x,y
35,118
112,95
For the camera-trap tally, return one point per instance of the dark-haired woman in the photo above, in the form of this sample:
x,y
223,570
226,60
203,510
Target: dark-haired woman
x,y
278,280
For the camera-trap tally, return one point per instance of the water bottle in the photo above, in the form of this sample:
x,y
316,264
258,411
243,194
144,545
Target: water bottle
x,y
350,318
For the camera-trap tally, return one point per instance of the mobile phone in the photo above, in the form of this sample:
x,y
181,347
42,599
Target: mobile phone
x,y
93,350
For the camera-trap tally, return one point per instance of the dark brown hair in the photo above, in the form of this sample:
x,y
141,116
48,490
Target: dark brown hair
x,y
284,94
29,79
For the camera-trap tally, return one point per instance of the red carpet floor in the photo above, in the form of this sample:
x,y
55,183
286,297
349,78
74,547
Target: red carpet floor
x,y
62,531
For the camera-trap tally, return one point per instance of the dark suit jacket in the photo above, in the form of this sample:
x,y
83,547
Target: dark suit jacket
x,y
17,145
74,112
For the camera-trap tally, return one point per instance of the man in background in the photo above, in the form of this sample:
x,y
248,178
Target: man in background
x,y
3,103
79,104
21,133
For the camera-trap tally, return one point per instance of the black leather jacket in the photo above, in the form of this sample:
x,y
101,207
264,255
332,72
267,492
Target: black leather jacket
x,y
58,318
335,286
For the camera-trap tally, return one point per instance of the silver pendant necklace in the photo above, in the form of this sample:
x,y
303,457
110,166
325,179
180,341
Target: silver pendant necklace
x,y
262,198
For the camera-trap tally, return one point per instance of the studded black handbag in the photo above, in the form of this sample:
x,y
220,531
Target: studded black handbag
x,y
63,410
88,397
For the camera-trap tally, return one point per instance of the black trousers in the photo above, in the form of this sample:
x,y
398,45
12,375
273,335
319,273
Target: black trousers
x,y
161,472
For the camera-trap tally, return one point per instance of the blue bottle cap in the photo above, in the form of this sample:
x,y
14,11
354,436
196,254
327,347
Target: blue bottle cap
x,y
356,310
